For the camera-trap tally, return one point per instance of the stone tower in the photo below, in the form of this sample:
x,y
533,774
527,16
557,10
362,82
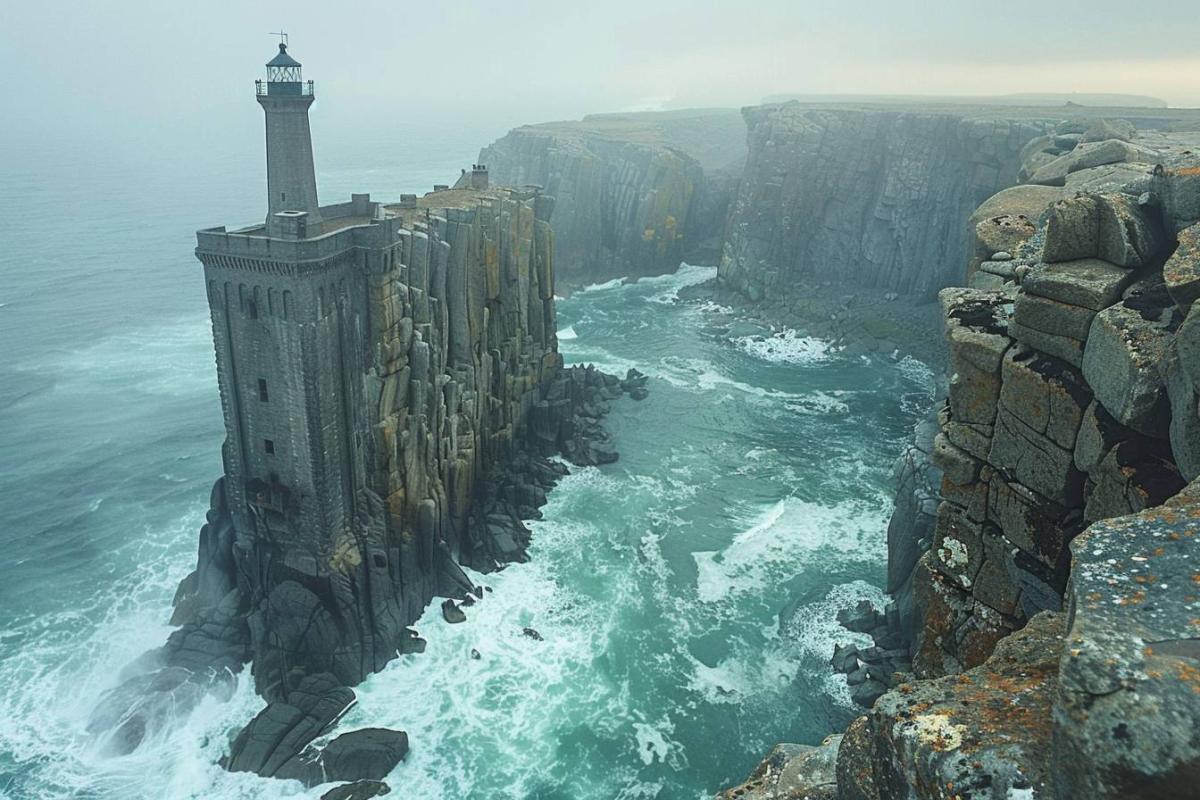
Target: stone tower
x,y
378,367
287,300
291,179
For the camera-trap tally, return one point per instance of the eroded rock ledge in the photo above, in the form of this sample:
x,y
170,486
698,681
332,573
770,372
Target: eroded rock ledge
x,y
1054,602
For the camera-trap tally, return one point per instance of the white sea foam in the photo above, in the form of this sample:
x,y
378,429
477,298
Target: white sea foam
x,y
567,333
615,283
783,532
671,284
814,630
819,403
786,347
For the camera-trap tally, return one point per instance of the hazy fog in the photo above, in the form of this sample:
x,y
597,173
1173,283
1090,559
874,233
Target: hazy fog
x,y
129,67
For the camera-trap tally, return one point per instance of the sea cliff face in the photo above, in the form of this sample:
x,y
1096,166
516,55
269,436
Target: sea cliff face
x,y
1052,591
449,344
634,194
871,198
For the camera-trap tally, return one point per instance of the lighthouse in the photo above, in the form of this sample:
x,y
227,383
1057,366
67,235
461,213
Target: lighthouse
x,y
292,208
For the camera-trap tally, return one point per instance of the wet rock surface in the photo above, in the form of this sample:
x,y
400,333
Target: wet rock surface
x,y
358,790
792,772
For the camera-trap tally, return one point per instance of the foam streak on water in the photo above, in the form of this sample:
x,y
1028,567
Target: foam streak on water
x,y
684,596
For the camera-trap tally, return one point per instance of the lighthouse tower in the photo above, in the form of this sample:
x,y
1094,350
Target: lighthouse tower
x,y
292,206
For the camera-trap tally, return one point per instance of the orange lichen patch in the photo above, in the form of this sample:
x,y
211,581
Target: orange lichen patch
x,y
1151,579
1188,674
1147,651
1133,599
1196,577
1158,551
1186,171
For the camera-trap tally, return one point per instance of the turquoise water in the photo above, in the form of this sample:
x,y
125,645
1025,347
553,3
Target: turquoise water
x,y
757,473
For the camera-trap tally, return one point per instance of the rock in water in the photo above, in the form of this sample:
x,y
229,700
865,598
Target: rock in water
x,y
369,753
452,613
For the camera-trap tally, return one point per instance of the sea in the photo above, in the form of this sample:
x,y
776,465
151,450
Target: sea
x,y
685,596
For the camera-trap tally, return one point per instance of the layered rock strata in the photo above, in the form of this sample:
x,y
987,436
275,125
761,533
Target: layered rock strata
x,y
635,194
448,346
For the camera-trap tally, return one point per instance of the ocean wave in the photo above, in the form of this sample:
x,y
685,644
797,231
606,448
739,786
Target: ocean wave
x,y
819,403
672,283
789,531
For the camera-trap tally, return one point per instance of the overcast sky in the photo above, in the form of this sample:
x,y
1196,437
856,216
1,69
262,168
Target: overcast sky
x,y
88,67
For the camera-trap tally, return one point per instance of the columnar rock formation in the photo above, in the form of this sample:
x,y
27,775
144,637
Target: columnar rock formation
x,y
1055,606
634,194
452,394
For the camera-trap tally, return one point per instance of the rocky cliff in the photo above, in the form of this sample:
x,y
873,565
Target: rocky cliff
x,y
635,194
1053,591
869,197
464,396
878,197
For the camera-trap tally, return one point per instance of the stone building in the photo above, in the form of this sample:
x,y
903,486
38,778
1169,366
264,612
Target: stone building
x,y
377,365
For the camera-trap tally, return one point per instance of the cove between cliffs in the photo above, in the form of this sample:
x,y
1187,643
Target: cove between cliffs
x,y
758,471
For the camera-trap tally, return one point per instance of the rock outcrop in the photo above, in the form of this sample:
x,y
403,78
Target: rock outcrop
x,y
1057,599
634,194
792,772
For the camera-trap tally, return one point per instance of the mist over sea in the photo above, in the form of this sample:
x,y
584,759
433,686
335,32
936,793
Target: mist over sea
x,y
685,595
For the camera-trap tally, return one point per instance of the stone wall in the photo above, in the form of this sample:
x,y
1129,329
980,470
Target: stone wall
x,y
634,194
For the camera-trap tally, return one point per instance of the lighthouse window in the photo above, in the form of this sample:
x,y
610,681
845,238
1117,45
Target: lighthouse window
x,y
262,390
269,447
283,196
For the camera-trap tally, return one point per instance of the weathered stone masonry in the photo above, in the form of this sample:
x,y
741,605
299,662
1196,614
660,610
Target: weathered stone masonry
x,y
369,379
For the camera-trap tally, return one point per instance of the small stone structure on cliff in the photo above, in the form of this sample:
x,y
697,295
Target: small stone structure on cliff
x,y
391,390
